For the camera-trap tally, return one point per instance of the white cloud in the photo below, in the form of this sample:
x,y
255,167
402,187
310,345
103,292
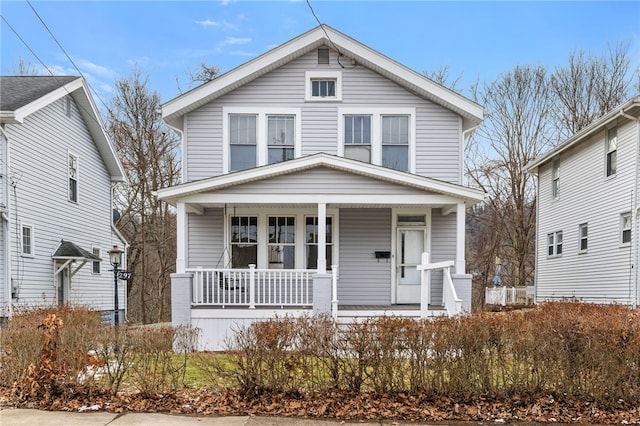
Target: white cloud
x,y
236,40
243,53
207,23
92,68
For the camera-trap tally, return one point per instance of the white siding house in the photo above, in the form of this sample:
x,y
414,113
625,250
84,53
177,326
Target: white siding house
x,y
314,177
587,231
57,172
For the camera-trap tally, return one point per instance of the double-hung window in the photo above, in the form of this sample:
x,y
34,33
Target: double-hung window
x,y
625,228
311,242
583,237
395,142
280,138
242,141
555,183
244,241
73,178
554,244
612,151
96,263
27,240
357,137
282,242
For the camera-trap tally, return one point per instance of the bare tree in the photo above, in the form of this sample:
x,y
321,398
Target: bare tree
x,y
149,153
516,130
25,68
203,74
589,86
443,77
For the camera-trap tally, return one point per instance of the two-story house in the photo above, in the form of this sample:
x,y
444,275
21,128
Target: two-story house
x,y
587,228
57,170
314,177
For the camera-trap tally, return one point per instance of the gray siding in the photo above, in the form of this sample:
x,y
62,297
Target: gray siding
x,y
438,134
443,248
603,273
206,239
364,280
321,180
39,149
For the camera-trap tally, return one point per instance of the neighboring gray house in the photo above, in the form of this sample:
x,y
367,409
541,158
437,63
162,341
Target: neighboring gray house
x,y
314,177
57,171
587,229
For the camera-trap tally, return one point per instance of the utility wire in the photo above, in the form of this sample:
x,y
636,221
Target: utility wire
x,y
326,33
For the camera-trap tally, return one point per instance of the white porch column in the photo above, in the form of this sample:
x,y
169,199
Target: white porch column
x,y
322,238
181,247
460,238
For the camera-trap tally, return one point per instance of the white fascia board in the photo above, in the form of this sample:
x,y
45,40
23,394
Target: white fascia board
x,y
583,134
9,117
313,199
319,160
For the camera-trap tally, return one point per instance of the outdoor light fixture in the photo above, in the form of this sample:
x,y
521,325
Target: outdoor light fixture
x,y
115,257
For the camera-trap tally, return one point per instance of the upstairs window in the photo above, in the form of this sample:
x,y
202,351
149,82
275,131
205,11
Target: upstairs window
x,y
625,228
242,141
323,85
555,183
554,244
357,137
395,142
323,88
612,151
280,138
73,178
583,237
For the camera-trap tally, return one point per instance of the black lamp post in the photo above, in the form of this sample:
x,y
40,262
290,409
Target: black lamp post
x,y
115,257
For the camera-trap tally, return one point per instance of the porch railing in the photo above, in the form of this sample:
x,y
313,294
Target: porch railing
x,y
508,295
251,287
452,303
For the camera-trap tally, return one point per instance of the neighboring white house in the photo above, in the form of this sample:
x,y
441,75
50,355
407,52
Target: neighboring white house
x,y
314,177
57,170
587,229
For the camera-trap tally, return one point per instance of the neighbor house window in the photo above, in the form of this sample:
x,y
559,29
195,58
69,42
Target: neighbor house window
x,y
311,242
625,228
583,235
554,243
242,141
280,137
244,241
73,178
357,137
555,183
27,240
282,242
612,151
96,263
395,142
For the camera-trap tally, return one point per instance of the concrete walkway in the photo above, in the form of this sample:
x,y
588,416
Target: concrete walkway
x,y
13,416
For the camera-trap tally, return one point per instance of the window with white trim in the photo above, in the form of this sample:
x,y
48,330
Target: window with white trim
x,y
357,137
554,244
583,237
612,151
625,228
395,142
73,177
323,85
95,265
282,242
280,138
244,241
27,240
242,141
311,242
555,183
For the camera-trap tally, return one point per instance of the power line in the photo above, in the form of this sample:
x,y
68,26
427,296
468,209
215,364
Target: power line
x,y
325,33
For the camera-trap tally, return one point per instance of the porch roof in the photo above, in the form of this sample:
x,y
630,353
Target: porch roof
x,y
429,191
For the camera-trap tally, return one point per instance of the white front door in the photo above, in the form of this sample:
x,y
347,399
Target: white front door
x,y
409,248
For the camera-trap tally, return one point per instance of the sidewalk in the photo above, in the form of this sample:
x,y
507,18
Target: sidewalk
x,y
13,416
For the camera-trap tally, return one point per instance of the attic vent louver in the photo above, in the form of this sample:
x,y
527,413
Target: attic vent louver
x,y
323,55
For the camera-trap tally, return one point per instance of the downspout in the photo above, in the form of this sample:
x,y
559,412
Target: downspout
x,y
635,216
6,223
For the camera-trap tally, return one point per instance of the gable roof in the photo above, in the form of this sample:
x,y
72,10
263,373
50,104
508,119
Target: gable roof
x,y
174,193
21,96
322,35
629,109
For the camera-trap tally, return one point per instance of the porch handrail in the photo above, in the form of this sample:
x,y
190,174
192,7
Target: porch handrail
x,y
452,303
251,287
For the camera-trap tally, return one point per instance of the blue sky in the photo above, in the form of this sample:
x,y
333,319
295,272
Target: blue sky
x,y
167,38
